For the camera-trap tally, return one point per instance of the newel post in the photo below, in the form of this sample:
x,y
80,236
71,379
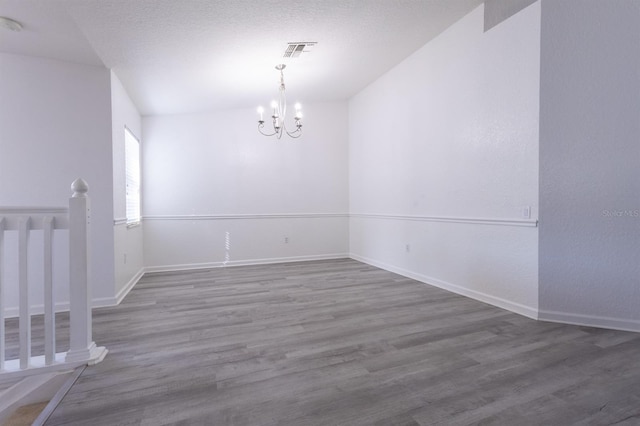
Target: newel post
x,y
82,347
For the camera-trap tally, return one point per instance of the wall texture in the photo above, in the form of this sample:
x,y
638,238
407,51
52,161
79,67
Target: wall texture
x,y
444,162
589,162
128,241
55,126
217,192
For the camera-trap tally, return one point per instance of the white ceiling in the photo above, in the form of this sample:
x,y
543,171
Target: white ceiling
x,y
178,56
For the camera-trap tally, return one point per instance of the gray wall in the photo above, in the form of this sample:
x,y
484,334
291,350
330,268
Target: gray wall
x,y
589,240
496,11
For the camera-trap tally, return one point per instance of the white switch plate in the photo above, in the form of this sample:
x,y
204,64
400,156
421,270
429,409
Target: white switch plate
x,y
526,212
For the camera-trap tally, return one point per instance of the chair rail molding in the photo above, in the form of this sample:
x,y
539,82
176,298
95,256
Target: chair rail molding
x,y
532,223
244,216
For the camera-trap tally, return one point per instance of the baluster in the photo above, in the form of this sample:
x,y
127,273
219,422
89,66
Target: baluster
x,y
49,302
23,283
2,348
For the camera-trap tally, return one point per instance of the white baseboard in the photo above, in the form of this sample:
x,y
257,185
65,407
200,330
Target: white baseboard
x,y
518,308
113,301
129,286
590,320
247,262
527,311
101,302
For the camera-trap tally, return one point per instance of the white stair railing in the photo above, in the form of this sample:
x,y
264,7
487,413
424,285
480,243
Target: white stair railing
x,y
77,220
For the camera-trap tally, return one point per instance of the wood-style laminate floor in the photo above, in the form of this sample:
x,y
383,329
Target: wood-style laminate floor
x,y
342,343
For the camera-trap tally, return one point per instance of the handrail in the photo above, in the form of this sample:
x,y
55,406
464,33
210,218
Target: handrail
x,y
12,216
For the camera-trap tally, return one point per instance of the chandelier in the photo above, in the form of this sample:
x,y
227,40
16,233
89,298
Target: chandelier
x,y
279,108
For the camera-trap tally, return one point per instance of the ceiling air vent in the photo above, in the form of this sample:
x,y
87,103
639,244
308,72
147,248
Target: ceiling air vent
x,y
295,49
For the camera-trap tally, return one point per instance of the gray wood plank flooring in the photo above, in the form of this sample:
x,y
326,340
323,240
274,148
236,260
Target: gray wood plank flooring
x,y
342,343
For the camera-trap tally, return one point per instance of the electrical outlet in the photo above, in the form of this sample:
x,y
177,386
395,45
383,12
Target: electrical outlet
x,y
407,248
286,240
526,212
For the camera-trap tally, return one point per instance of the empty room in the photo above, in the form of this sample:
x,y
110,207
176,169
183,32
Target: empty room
x,y
336,212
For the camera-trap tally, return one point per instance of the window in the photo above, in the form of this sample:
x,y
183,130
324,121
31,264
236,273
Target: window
x,y
132,171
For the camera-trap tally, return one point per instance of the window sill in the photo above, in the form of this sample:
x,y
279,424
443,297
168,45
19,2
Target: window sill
x,y
133,224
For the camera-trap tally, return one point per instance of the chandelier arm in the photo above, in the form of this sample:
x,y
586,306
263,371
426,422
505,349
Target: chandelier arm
x,y
293,134
297,131
261,126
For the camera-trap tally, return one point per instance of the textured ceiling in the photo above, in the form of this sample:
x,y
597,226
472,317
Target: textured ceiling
x,y
196,55
48,31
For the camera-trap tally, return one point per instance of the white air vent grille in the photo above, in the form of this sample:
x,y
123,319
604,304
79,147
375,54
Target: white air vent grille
x,y
296,49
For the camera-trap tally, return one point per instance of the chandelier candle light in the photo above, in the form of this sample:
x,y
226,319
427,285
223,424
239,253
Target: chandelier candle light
x,y
279,113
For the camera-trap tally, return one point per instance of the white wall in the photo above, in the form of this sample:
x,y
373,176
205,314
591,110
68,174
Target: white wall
x,y
217,192
443,158
128,241
589,162
55,126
